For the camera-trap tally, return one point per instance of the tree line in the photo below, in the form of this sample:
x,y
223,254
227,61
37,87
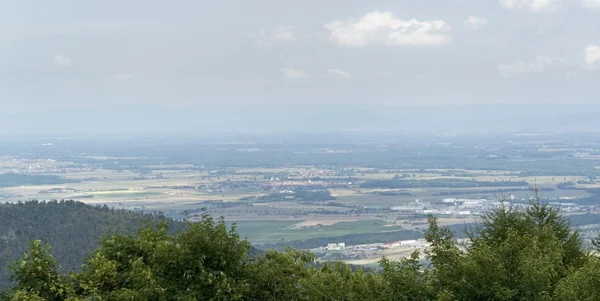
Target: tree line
x,y
73,229
510,255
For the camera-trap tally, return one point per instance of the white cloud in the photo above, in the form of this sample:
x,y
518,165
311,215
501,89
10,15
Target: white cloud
x,y
283,33
532,5
383,28
592,54
538,65
340,73
593,4
292,73
280,34
476,23
62,61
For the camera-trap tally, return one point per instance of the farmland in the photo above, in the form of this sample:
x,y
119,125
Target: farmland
x,y
308,193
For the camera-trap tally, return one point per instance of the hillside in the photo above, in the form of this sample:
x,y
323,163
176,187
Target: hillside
x,y
71,228
512,255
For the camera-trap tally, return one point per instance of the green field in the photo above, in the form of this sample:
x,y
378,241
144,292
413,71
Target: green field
x,y
275,231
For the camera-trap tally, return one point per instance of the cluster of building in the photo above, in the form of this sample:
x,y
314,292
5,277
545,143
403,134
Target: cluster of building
x,y
276,183
413,243
447,206
469,207
340,246
22,165
316,173
341,251
367,250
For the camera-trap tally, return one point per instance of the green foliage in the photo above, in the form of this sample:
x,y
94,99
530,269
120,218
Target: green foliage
x,y
71,228
582,285
276,276
36,275
511,255
206,260
336,281
305,195
405,281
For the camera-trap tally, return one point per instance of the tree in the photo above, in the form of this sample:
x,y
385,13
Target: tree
x,y
531,254
205,262
72,229
405,281
582,285
276,275
512,255
37,277
336,281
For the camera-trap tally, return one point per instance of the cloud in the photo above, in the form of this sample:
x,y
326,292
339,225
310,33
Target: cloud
x,y
592,54
283,33
592,4
292,73
476,23
383,28
538,65
280,34
62,61
340,73
535,6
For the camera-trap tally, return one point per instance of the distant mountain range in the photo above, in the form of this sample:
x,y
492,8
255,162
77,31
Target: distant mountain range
x,y
148,119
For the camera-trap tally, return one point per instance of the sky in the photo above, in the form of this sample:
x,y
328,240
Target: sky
x,y
69,54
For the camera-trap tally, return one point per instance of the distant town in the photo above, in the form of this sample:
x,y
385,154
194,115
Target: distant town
x,y
356,201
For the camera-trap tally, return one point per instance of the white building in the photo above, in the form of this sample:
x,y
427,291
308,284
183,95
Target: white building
x,y
408,242
336,246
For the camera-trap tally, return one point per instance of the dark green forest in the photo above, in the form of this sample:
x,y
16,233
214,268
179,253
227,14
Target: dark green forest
x,y
510,255
71,228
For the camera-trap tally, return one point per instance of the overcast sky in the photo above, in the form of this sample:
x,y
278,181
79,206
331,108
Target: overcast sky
x,y
87,53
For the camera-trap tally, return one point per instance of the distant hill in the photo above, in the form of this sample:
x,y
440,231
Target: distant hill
x,y
71,228
308,118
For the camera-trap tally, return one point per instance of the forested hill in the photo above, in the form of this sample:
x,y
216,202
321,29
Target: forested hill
x,y
71,228
512,255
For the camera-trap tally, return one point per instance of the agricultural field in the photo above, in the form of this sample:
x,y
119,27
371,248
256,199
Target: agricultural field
x,y
272,231
306,196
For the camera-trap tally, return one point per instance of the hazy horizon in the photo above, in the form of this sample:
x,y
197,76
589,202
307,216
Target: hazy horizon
x,y
160,120
226,66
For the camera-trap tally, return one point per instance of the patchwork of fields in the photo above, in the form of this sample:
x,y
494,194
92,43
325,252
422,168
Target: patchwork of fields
x,y
309,195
